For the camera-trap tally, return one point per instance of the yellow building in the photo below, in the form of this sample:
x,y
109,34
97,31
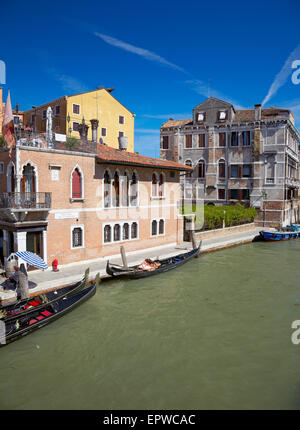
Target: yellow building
x,y
112,119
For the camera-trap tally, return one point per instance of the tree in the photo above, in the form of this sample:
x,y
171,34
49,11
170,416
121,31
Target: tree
x,y
2,142
71,142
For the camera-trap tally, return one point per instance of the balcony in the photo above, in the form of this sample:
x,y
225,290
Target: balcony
x,y
20,207
292,182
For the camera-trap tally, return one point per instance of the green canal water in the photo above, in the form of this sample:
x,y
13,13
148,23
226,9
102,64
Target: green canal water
x,y
214,334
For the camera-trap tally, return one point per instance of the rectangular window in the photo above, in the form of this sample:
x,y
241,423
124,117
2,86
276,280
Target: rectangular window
x,y
234,194
245,195
165,142
121,119
57,110
103,132
222,139
234,138
201,141
234,171
247,170
77,237
201,116
44,113
221,194
76,109
75,126
222,115
188,141
246,138
1,168
121,133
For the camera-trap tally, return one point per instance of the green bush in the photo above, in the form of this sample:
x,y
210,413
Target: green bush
x,y
214,216
2,142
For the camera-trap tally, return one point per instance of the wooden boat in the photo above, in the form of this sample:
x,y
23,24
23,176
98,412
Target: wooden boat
x,y
273,236
13,311
134,272
28,322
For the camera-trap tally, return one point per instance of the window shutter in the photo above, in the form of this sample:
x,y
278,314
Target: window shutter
x,y
240,194
240,171
229,171
228,194
76,185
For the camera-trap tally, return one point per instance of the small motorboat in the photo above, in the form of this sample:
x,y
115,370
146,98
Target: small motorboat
x,y
272,236
38,317
13,311
158,266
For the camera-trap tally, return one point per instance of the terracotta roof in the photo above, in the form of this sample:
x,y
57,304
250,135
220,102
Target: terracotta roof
x,y
248,114
106,154
177,122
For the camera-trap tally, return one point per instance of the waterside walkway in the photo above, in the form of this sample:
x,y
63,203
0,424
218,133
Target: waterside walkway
x,y
69,274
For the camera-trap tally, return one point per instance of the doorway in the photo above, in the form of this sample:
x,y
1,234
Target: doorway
x,y
34,242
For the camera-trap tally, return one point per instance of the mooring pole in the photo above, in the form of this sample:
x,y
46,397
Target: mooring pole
x,y
123,255
194,241
23,282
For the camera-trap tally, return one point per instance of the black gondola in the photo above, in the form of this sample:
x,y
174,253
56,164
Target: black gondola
x,y
32,304
29,322
134,272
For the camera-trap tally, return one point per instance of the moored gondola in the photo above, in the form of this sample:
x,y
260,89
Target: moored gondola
x,y
26,323
32,304
274,236
159,266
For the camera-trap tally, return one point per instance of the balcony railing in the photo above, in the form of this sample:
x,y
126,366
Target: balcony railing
x,y
20,201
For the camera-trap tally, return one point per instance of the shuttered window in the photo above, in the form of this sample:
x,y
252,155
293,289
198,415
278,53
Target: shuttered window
x,y
222,139
221,169
201,140
188,141
76,184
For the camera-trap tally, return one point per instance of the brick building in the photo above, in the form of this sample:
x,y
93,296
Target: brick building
x,y
81,205
249,156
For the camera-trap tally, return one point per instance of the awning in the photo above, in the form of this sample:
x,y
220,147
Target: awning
x,y
32,259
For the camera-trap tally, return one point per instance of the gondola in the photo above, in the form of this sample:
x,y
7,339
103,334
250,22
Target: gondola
x,y
32,304
133,272
29,322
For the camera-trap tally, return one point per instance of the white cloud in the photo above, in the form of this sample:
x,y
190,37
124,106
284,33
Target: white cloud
x,y
169,115
145,53
147,130
282,76
202,88
68,83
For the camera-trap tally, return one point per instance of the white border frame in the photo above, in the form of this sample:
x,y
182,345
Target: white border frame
x,y
72,199
76,104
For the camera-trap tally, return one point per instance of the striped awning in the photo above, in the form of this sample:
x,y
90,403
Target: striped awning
x,y
32,259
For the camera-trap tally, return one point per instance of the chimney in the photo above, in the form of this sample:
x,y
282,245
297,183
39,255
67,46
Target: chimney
x,y
94,123
123,143
257,115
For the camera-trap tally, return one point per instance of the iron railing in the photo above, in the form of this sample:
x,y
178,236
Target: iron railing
x,y
25,200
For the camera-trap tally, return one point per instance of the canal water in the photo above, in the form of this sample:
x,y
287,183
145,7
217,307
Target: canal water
x,y
214,334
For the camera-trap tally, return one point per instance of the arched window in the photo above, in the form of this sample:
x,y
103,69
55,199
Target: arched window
x,y
116,190
221,168
133,190
107,234
117,232
154,228
161,228
125,190
125,235
188,163
154,185
134,230
161,186
107,190
201,169
28,179
76,184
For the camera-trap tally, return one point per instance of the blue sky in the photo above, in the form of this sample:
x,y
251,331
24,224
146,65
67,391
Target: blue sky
x,y
162,57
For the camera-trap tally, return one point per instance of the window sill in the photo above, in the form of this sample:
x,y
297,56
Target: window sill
x,y
157,198
77,200
76,247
